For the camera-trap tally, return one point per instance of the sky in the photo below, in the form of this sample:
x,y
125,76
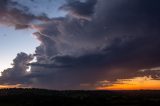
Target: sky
x,y
80,44
24,42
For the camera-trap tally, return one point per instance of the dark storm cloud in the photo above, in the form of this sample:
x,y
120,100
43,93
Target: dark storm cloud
x,y
17,73
20,18
80,9
121,39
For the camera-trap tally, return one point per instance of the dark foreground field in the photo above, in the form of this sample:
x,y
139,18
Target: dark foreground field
x,y
36,97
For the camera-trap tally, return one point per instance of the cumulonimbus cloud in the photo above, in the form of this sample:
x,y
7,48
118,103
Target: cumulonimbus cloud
x,y
120,38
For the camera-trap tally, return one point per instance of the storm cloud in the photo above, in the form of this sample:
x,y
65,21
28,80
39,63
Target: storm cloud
x,y
97,40
17,73
20,18
79,8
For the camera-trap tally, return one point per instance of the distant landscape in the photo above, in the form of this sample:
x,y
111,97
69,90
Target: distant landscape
x,y
35,97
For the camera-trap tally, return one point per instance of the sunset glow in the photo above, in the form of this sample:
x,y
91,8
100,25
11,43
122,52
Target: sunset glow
x,y
137,83
10,86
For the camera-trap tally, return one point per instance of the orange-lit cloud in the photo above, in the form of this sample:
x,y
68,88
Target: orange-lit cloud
x,y
137,83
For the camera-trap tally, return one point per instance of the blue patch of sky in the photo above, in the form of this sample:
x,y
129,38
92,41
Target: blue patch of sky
x,y
14,41
38,7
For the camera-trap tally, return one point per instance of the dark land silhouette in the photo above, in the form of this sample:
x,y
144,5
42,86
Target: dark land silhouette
x,y
36,97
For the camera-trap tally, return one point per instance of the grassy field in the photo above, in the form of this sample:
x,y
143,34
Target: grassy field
x,y
35,97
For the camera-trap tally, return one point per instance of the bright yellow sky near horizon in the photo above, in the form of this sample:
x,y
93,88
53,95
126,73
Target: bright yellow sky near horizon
x,y
137,83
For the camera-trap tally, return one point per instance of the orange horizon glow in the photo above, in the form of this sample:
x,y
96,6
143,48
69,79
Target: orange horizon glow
x,y
137,83
10,86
